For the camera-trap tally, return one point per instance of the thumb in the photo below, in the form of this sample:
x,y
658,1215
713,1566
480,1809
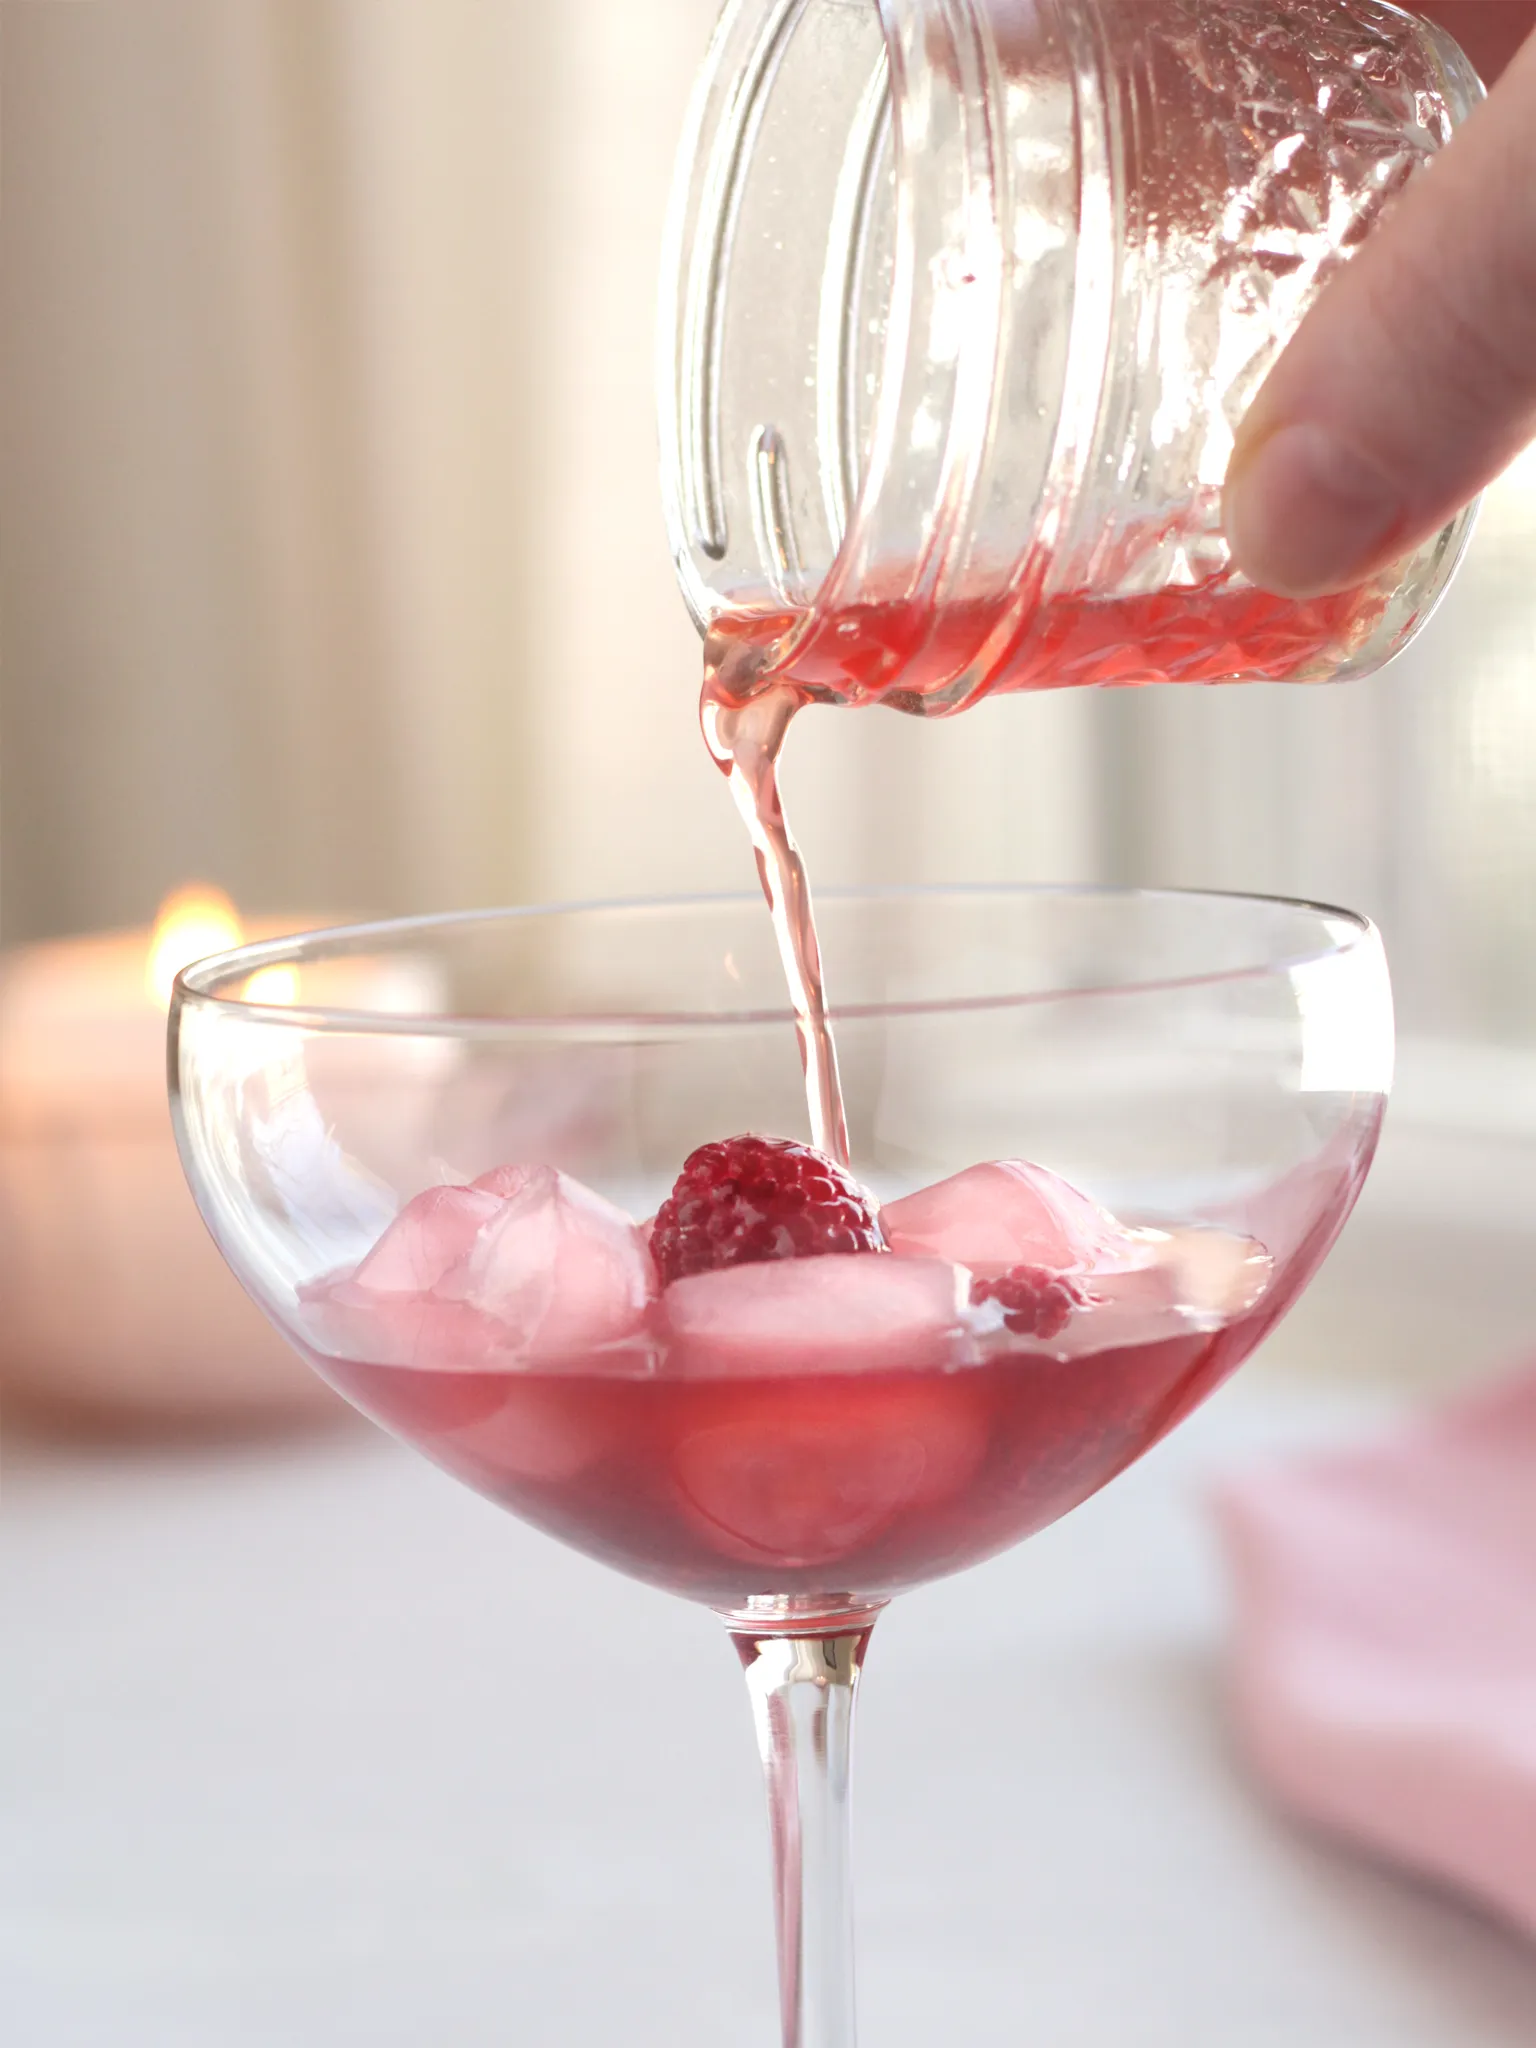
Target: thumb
x,y
1412,381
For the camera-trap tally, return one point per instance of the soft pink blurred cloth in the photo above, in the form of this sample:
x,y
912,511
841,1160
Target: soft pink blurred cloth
x,y
1385,1678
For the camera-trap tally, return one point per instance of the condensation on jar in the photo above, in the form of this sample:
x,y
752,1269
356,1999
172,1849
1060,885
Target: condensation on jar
x,y
964,301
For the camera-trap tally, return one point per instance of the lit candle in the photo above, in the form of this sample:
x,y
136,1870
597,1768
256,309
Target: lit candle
x,y
114,1304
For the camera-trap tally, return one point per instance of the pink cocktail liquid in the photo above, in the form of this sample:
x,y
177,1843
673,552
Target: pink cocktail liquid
x,y
936,660
724,1484
818,1426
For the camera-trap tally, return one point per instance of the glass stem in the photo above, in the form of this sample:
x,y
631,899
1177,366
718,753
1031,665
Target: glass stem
x,y
802,1689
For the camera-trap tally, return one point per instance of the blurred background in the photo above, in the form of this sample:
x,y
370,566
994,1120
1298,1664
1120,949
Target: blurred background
x,y
332,572
333,560
333,567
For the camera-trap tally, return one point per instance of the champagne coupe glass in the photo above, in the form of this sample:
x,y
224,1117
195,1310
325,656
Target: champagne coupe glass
x,y
425,1149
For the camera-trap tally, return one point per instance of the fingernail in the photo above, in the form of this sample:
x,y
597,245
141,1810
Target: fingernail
x,y
1306,513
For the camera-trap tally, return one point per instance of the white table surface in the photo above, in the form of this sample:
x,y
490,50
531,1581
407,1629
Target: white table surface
x,y
309,1746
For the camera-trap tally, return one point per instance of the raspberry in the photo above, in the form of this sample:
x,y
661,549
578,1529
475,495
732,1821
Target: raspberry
x,y
1035,1301
742,1201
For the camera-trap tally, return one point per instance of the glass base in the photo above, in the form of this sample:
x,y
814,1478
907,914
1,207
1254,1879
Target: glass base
x,y
802,1614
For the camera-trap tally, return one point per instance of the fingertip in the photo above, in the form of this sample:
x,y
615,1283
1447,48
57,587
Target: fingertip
x,y
1306,513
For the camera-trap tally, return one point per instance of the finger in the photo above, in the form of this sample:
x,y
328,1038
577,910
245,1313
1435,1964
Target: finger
x,y
1490,31
1412,381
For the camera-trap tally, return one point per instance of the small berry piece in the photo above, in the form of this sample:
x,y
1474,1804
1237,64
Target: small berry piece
x,y
1035,1301
742,1201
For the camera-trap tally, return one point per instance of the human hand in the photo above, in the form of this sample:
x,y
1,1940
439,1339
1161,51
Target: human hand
x,y
1412,382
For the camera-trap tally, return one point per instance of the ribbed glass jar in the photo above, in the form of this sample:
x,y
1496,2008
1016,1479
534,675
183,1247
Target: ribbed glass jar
x,y
964,302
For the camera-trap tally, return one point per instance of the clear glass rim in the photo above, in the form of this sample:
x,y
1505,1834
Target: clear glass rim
x,y
198,984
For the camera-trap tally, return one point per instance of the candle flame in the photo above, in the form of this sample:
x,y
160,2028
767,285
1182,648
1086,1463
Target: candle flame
x,y
277,987
193,923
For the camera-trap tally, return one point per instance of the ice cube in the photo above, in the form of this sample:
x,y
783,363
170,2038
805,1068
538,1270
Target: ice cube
x,y
431,1234
797,1496
346,1321
1193,1279
802,1472
866,1312
560,1269
1214,1273
523,1266
542,1427
1009,1213
386,1311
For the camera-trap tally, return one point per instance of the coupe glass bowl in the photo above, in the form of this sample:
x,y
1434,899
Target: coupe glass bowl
x,y
1195,1082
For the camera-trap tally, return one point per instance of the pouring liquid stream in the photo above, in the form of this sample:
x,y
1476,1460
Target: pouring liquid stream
x,y
746,740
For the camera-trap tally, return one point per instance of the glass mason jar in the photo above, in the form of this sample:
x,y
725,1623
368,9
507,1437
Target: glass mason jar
x,y
964,301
